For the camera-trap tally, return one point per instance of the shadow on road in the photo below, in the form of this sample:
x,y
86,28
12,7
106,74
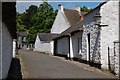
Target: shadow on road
x,y
15,70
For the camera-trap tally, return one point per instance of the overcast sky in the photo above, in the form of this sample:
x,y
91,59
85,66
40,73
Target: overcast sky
x,y
22,5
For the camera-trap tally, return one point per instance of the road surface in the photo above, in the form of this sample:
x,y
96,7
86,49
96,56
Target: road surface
x,y
42,66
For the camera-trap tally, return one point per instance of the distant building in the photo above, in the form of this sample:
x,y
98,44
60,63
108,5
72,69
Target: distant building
x,y
43,42
21,40
7,34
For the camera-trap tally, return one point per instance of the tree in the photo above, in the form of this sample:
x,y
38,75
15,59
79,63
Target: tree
x,y
27,16
19,23
85,9
42,21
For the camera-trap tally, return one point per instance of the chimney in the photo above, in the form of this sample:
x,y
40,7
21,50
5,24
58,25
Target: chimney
x,y
60,7
78,9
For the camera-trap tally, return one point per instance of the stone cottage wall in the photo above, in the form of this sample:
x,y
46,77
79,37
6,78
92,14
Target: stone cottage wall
x,y
117,54
94,31
7,51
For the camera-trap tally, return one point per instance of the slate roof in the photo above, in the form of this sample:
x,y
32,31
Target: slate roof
x,y
9,17
47,36
77,27
72,16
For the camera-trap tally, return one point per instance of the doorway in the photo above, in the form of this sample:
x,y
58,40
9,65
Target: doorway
x,y
88,48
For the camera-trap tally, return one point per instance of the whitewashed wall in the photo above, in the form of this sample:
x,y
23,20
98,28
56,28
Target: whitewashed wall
x,y
52,47
42,46
0,46
63,46
14,48
7,50
77,44
110,33
0,36
60,24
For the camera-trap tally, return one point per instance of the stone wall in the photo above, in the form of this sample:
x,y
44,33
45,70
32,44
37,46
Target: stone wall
x,y
94,31
117,52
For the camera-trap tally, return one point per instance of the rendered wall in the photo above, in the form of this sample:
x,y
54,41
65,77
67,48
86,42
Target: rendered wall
x,y
77,44
110,33
42,46
63,46
7,51
60,24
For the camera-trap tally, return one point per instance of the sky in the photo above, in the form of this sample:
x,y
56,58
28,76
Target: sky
x,y
22,5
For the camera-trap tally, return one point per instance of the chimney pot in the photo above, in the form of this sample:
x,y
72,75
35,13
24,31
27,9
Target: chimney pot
x,y
78,9
60,6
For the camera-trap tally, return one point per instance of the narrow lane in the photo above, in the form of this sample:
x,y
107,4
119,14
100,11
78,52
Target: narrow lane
x,y
39,66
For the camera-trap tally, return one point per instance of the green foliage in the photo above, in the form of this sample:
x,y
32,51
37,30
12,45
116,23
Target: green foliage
x,y
36,19
27,16
85,9
20,26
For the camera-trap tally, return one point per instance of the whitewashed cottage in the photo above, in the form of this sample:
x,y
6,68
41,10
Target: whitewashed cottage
x,y
101,30
43,42
69,42
65,19
7,34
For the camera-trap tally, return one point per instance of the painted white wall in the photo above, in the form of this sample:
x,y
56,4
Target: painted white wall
x,y
77,44
7,50
71,48
52,47
42,46
110,33
0,47
63,46
14,48
60,24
